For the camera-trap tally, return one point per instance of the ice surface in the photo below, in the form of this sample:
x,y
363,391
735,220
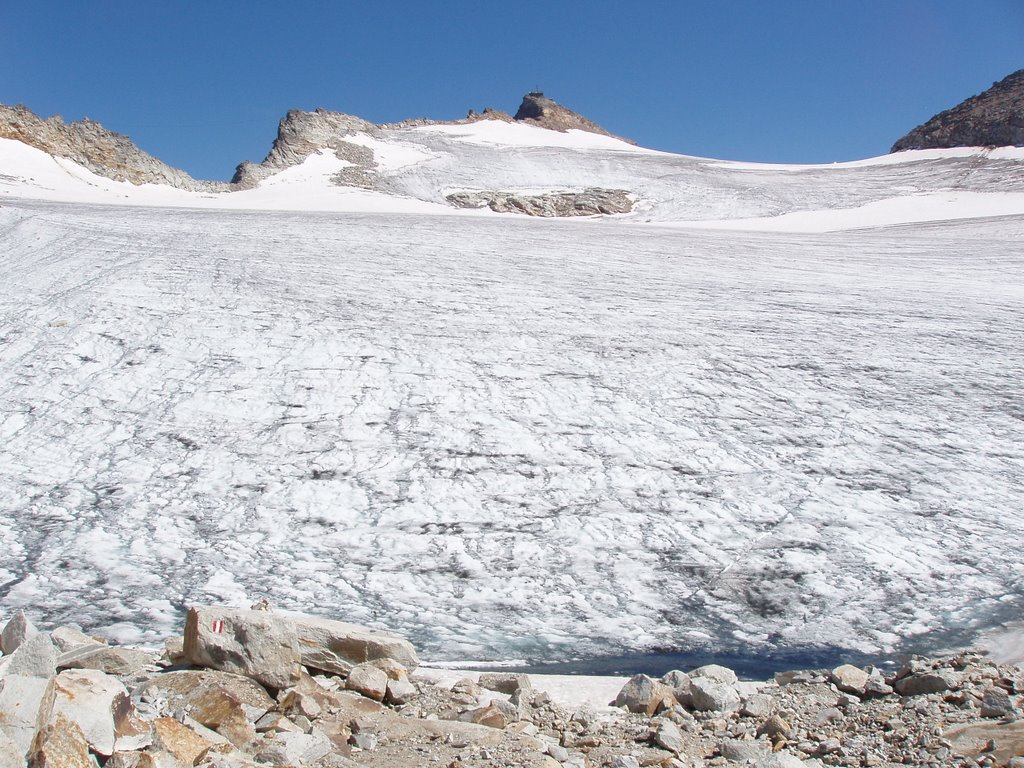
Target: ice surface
x,y
510,438
514,438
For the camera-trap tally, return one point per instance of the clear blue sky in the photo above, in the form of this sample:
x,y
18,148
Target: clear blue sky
x,y
203,84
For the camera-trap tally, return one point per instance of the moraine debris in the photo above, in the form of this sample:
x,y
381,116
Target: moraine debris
x,y
247,689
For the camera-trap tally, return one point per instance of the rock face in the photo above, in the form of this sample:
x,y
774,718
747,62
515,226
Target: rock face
x,y
89,144
301,134
992,118
539,110
589,202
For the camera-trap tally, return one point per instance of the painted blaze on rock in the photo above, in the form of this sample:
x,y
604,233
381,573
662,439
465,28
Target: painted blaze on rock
x,y
250,643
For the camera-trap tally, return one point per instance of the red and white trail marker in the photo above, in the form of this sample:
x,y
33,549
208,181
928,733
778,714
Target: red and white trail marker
x,y
218,626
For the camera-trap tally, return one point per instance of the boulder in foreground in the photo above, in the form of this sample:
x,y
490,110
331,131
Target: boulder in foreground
x,y
255,644
337,646
271,648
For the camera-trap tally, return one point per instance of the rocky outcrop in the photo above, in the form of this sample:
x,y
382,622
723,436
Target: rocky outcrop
x,y
92,146
589,202
301,134
993,118
538,109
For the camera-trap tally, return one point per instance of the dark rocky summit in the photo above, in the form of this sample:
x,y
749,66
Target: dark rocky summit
x,y
539,110
994,118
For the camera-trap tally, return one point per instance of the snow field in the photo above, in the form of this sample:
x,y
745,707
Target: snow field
x,y
510,438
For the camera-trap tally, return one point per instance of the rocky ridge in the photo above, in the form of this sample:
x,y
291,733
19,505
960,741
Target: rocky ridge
x,y
992,118
299,135
251,688
92,146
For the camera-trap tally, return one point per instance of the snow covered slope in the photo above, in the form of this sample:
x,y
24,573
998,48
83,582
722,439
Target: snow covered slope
x,y
414,169
512,437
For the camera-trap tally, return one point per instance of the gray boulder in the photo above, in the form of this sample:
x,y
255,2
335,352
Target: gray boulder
x,y
368,680
10,756
711,696
759,705
643,695
97,703
122,662
69,638
784,760
399,692
336,646
295,748
928,682
667,736
850,679
715,672
504,682
745,750
16,632
996,702
251,643
27,691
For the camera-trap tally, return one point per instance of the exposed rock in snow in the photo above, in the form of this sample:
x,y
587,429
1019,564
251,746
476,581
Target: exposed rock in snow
x,y
301,134
89,144
994,118
539,110
588,202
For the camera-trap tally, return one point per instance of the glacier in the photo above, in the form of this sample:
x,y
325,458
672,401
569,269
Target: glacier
x,y
775,407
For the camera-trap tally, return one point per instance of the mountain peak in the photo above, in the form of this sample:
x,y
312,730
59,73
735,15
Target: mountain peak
x,y
992,118
544,112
